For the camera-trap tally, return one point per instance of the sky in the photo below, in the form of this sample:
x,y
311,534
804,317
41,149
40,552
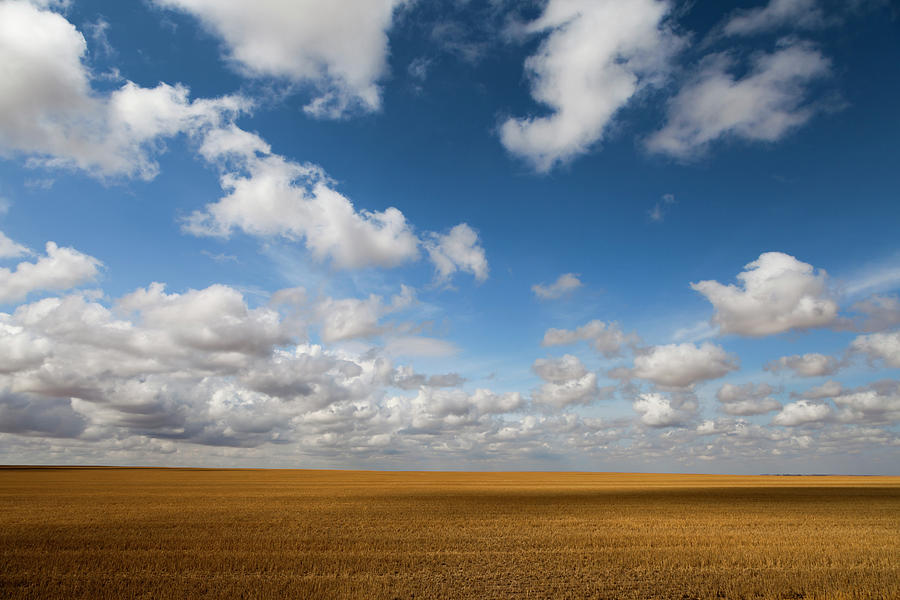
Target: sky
x,y
596,235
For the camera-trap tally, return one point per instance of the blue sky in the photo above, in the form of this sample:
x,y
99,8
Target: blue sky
x,y
569,234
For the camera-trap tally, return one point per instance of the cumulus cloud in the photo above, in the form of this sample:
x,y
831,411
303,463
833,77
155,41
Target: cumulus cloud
x,y
268,195
568,382
215,320
159,372
447,403
458,250
597,56
205,367
564,284
777,13
876,403
806,365
882,312
153,369
606,338
559,369
349,318
883,347
560,394
44,75
657,410
44,417
50,113
59,269
404,377
829,389
777,293
20,349
747,399
803,412
9,248
340,48
683,365
763,105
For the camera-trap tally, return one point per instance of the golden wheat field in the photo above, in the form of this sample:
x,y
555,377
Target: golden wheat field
x,y
184,533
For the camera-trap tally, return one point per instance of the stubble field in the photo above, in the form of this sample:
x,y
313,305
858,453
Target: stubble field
x,y
181,533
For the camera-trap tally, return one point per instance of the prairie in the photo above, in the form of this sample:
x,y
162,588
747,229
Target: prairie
x,y
194,533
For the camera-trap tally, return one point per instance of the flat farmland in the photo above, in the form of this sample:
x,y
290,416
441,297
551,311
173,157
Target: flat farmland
x,y
189,533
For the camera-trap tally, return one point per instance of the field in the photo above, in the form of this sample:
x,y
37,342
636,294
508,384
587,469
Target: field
x,y
179,533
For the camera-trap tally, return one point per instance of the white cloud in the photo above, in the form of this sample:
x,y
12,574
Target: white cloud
x,y
882,312
436,409
657,410
20,349
560,394
9,248
802,412
339,47
699,331
59,269
683,365
876,403
200,366
214,319
829,389
806,365
43,75
458,250
559,369
406,378
349,318
268,195
172,372
564,284
161,373
877,278
778,293
777,13
414,345
747,399
597,56
568,382
232,142
98,32
418,68
879,346
49,111
764,105
659,210
45,417
606,338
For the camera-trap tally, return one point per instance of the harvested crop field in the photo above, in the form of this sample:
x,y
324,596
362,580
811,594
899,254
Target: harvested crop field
x,y
184,533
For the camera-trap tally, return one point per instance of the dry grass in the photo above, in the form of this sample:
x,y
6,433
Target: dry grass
x,y
161,533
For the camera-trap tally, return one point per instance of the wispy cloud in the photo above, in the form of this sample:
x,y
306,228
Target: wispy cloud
x,y
658,213
564,284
